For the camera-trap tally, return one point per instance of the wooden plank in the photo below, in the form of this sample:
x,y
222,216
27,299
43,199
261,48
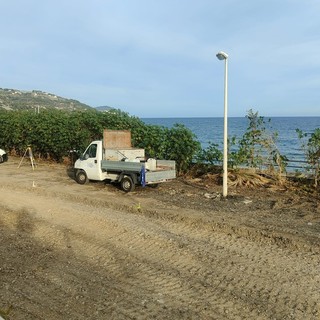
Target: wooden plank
x,y
116,139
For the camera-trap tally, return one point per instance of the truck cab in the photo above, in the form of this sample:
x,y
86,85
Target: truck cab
x,y
90,162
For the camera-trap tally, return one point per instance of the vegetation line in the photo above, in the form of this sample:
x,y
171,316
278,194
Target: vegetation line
x,y
54,134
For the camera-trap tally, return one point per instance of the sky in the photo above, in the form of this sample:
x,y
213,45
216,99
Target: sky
x,y
154,58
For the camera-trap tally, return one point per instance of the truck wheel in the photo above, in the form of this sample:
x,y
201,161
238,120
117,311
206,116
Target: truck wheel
x,y
1,159
81,177
127,184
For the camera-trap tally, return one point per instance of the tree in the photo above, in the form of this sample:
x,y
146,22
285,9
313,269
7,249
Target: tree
x,y
257,147
311,147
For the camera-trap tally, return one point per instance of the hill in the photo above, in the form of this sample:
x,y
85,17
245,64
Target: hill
x,y
12,99
104,108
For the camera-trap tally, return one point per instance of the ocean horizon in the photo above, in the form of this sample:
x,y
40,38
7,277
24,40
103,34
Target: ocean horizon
x,y
210,130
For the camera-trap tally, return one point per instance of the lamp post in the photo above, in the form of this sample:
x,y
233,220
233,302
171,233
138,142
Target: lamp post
x,y
224,56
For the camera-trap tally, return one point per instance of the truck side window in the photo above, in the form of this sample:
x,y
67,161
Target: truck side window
x,y
92,151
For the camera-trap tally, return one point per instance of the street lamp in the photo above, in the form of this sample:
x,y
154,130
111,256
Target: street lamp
x,y
224,56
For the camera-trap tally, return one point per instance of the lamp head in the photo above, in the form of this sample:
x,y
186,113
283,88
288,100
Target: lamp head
x,y
222,55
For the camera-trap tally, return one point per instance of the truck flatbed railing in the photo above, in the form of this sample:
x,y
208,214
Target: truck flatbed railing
x,y
110,165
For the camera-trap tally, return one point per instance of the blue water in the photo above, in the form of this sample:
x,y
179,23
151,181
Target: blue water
x,y
211,130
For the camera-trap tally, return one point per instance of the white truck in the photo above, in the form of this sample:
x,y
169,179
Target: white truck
x,y
114,159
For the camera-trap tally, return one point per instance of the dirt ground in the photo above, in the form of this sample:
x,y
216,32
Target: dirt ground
x,y
179,251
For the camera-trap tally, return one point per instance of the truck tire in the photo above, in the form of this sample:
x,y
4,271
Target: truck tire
x,y
127,184
1,159
81,177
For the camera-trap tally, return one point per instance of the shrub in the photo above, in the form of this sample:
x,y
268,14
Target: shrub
x,y
311,147
53,133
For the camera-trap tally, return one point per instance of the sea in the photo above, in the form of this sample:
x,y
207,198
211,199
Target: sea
x,y
288,143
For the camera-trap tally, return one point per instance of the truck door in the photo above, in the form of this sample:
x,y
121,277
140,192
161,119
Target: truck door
x,y
91,163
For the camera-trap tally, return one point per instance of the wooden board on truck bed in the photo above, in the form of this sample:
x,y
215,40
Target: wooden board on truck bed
x,y
113,139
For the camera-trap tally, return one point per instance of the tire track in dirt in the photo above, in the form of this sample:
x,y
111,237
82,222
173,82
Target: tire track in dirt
x,y
128,264
96,195
255,269
175,262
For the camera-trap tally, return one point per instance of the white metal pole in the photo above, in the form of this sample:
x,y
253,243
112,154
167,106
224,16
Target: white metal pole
x,y
224,56
225,132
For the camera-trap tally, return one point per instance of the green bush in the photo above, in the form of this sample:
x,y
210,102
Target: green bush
x,y
311,147
211,155
255,149
53,133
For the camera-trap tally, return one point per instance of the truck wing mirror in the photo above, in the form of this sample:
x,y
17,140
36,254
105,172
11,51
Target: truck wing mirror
x,y
84,157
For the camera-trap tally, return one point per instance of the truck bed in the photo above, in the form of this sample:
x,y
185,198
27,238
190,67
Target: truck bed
x,y
164,169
